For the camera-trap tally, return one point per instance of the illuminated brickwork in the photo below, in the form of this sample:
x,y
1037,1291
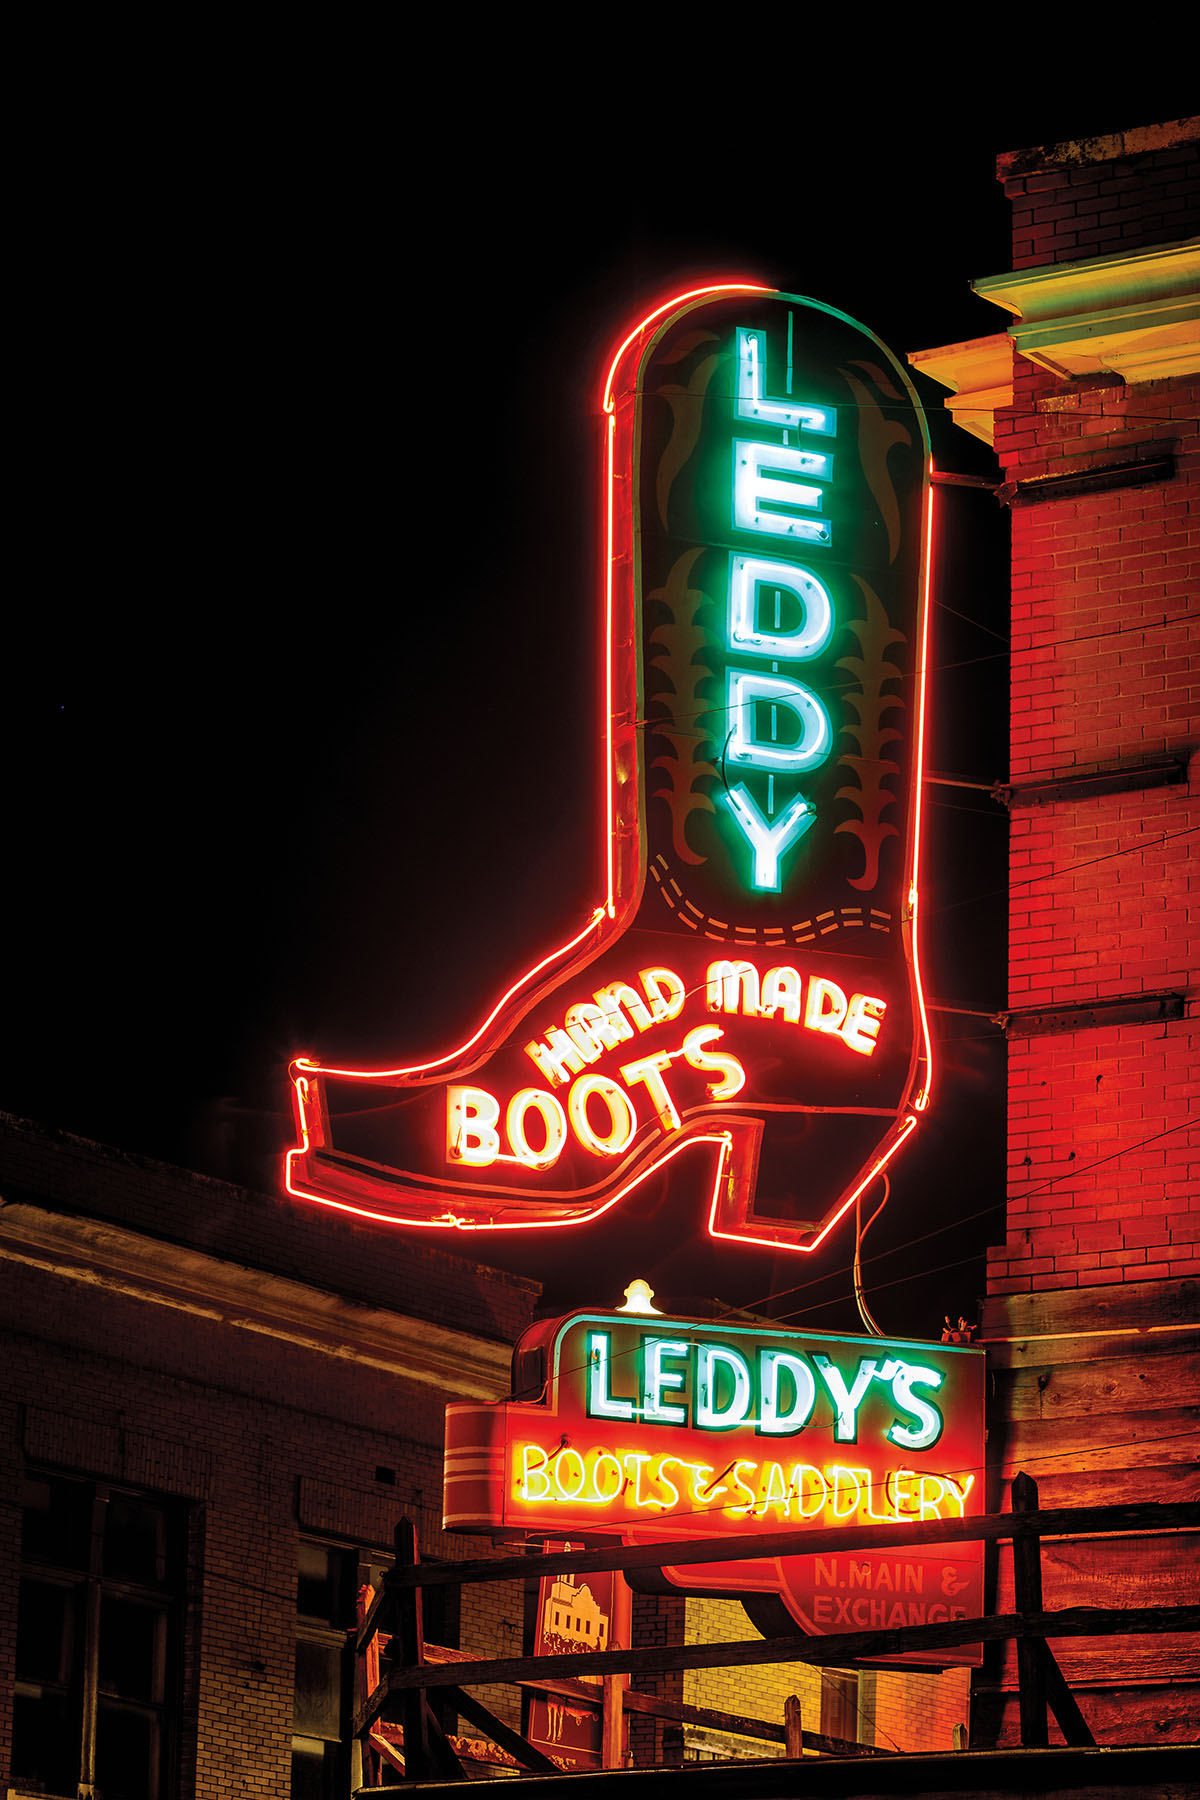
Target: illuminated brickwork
x,y
1103,674
904,1710
1090,1320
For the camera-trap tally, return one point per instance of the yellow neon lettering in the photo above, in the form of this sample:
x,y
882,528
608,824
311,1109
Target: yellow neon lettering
x,y
471,1135
606,1456
639,1459
863,1019
619,994
621,1115
648,1069
529,1469
929,1508
883,1518
826,1008
558,1058
714,1062
781,991
739,1483
775,1491
798,1481
702,1474
730,981
665,992
838,1471
560,1462
959,1494
553,1118
900,1498
668,1483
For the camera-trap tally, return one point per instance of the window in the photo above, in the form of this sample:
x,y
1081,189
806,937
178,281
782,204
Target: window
x,y
839,1704
329,1578
98,1639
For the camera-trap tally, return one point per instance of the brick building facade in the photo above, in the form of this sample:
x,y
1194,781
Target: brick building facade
x,y
1092,1324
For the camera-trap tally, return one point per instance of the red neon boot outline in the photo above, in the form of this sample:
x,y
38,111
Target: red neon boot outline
x,y
440,1202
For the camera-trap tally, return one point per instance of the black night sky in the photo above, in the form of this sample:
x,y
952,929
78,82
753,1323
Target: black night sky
x,y
301,721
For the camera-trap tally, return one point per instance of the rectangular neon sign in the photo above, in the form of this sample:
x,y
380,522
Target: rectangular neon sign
x,y
655,1429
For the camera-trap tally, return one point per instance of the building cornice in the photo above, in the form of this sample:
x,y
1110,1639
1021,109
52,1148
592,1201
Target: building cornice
x,y
979,375
1135,315
248,1300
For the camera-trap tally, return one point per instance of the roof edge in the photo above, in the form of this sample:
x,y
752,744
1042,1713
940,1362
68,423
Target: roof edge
x,y
1071,153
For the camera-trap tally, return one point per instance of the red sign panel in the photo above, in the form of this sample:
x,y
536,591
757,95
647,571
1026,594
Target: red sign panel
x,y
750,980
575,1616
654,1429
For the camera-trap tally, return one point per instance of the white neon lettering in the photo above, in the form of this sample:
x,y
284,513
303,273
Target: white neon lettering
x,y
771,1364
648,1069
781,990
558,1058
826,1009
748,577
747,749
714,1062
727,982
591,1026
710,1358
863,1018
903,1377
769,838
621,1115
758,492
601,1404
665,992
752,403
846,1399
471,1135
619,994
554,1119
656,1379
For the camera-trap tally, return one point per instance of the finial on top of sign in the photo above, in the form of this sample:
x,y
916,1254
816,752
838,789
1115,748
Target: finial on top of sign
x,y
639,1298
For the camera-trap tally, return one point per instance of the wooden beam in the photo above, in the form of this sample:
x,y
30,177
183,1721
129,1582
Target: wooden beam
x,y
527,1754
821,1540
1027,1593
833,1651
1062,1701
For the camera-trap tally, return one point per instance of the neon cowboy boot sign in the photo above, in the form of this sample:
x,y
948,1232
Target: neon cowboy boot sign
x,y
748,989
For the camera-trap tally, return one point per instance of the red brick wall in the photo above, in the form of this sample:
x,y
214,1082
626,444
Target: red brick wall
x,y
1071,214
1103,889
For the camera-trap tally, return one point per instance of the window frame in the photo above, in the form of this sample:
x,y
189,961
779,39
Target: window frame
x,y
87,1694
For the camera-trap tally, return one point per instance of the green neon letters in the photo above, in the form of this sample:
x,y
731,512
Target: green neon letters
x,y
715,1387
778,491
